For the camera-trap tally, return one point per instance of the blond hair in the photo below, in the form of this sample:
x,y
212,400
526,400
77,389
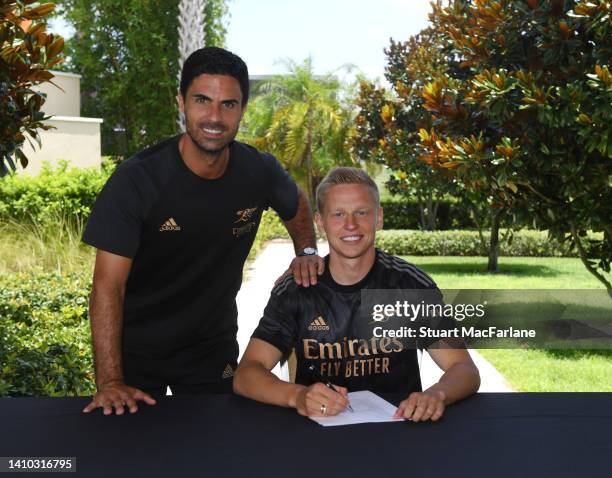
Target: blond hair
x,y
345,175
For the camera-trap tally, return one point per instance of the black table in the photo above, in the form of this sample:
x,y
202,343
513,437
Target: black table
x,y
487,435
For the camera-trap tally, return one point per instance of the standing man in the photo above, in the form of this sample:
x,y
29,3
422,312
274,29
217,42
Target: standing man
x,y
173,227
323,323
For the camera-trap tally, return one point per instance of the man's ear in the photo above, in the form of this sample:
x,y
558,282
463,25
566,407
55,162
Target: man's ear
x,y
181,103
379,219
319,222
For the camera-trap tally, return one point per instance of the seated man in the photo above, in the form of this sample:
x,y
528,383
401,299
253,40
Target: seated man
x,y
321,322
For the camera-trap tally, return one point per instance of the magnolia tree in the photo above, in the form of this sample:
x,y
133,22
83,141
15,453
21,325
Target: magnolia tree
x,y
28,52
516,109
524,113
387,125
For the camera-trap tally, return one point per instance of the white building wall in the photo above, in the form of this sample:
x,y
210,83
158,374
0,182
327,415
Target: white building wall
x,y
62,103
72,138
76,140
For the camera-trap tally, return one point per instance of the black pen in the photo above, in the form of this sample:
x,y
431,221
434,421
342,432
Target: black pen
x,y
326,382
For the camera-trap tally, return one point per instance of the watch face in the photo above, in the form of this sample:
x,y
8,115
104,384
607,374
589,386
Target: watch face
x,y
309,251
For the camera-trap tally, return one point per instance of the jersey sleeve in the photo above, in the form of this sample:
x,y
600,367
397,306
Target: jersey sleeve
x,y
278,326
116,218
283,192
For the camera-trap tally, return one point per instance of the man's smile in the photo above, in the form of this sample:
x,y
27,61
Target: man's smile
x,y
213,131
352,239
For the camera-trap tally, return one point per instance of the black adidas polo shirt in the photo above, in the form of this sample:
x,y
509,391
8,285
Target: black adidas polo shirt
x,y
324,325
188,238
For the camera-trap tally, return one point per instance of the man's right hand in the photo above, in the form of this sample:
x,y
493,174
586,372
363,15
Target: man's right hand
x,y
319,400
118,395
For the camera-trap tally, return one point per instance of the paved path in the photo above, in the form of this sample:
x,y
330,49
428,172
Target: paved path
x,y
255,291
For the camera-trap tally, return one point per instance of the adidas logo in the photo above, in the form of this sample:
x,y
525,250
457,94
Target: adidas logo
x,y
228,372
170,225
318,324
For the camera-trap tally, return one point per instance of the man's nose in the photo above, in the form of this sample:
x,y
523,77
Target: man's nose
x,y
350,222
213,113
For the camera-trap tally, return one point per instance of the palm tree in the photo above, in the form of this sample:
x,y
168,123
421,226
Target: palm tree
x,y
191,35
303,120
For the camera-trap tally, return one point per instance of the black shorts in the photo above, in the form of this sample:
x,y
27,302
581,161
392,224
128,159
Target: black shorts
x,y
187,371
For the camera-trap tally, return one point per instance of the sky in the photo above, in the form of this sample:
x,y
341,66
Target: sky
x,y
333,32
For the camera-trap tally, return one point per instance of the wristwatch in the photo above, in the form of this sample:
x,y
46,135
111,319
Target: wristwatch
x,y
308,251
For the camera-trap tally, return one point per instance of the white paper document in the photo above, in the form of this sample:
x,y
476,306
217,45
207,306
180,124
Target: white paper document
x,y
367,408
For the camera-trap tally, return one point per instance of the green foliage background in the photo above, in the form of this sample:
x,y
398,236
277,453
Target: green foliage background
x,y
59,191
27,53
305,121
469,243
511,102
44,335
127,54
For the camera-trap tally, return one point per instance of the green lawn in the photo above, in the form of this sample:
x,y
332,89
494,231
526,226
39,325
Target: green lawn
x,y
515,273
530,370
554,370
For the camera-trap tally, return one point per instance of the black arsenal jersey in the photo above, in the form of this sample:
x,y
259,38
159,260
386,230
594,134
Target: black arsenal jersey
x,y
188,238
325,327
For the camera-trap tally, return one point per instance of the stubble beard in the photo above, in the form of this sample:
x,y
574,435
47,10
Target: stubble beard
x,y
191,132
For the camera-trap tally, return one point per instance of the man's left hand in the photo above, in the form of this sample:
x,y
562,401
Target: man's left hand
x,y
422,406
305,270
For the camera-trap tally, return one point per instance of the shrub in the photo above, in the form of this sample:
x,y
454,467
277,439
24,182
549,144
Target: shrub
x,y
271,227
45,346
404,214
467,243
60,191
28,53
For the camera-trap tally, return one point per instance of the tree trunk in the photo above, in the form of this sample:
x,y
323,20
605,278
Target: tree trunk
x,y
311,192
421,212
494,242
431,215
479,226
435,211
422,216
585,259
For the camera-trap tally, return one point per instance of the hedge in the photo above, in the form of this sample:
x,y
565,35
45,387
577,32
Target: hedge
x,y
68,193
45,346
468,243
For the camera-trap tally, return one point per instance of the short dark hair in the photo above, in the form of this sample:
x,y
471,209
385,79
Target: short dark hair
x,y
213,60
346,175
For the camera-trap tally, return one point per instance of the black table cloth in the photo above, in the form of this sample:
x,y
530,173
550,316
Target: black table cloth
x,y
488,435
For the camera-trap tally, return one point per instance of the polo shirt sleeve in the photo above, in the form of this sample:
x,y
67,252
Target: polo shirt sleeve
x,y
116,218
283,192
278,326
